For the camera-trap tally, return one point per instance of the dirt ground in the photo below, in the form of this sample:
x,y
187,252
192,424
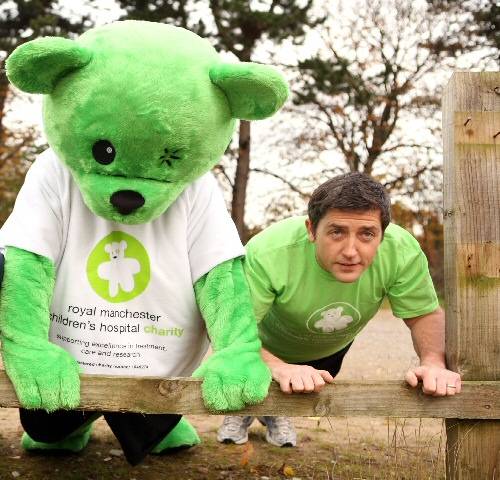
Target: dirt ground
x,y
328,448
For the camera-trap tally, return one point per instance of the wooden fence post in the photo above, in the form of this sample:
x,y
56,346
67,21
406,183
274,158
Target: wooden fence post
x,y
471,133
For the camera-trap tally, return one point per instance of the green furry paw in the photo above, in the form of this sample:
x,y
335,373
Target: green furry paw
x,y
74,442
183,435
232,381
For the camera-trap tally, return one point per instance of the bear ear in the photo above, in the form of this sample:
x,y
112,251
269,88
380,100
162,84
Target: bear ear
x,y
254,91
36,66
107,248
123,245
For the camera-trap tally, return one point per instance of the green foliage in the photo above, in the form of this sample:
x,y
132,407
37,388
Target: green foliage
x,y
171,12
32,19
484,30
333,77
240,24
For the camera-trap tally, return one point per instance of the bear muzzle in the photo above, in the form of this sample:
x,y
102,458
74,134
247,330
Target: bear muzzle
x,y
126,201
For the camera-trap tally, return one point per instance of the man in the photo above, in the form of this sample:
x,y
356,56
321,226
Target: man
x,y
316,282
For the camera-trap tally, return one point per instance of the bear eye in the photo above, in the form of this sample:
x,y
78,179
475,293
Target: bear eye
x,y
103,151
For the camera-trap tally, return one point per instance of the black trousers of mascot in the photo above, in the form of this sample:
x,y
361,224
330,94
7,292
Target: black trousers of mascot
x,y
137,433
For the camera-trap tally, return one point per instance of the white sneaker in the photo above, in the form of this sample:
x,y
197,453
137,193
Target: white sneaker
x,y
234,430
280,431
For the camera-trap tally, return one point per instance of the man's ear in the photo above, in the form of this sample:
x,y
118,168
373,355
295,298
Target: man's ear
x,y
310,230
36,66
254,91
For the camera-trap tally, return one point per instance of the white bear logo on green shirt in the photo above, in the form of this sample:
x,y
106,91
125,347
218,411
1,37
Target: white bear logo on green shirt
x,y
332,320
334,317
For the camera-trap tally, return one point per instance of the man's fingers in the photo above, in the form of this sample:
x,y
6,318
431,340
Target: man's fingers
x,y
319,383
429,384
309,383
297,384
457,381
442,388
327,377
453,382
411,378
285,385
450,391
437,382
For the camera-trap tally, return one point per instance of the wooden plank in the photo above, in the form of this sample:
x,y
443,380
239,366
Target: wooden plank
x,y
466,440
478,400
471,135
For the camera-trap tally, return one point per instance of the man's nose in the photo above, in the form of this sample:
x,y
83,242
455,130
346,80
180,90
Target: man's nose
x,y
350,248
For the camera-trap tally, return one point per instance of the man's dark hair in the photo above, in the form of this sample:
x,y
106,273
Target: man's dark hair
x,y
352,191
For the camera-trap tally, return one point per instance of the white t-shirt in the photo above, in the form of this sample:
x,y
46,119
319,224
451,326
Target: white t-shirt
x,y
123,301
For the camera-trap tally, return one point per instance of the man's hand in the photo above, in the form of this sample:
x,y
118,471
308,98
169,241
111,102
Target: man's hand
x,y
436,381
299,378
427,333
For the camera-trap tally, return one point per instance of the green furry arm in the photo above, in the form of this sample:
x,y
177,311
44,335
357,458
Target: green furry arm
x,y
235,374
43,374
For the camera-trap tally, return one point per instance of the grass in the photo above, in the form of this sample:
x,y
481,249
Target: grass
x,y
329,449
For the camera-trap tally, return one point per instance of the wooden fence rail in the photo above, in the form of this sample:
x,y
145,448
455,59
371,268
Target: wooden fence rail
x,y
478,400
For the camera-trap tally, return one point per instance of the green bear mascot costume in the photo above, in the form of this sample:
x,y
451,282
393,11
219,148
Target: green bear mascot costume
x,y
120,255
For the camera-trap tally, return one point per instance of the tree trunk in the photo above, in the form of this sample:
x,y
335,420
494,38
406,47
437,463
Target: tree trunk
x,y
4,88
241,179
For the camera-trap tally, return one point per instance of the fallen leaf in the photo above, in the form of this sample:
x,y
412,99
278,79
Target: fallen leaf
x,y
247,453
286,470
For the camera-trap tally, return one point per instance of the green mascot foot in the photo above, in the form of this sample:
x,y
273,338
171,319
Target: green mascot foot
x,y
74,442
182,436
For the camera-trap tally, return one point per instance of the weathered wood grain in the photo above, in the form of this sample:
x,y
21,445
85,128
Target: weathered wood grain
x,y
471,134
478,400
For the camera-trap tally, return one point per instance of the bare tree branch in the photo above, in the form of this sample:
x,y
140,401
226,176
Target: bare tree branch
x,y
220,168
284,180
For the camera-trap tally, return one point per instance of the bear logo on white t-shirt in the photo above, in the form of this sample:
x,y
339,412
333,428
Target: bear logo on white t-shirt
x,y
119,271
332,320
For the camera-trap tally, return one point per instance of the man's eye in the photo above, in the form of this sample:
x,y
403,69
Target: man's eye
x,y
336,233
368,235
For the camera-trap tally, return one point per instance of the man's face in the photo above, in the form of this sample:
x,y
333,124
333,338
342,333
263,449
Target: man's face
x,y
346,242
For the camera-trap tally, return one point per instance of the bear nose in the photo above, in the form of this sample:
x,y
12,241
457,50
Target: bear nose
x,y
126,201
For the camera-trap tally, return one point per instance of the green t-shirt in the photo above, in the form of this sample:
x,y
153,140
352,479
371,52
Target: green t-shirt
x,y
304,313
